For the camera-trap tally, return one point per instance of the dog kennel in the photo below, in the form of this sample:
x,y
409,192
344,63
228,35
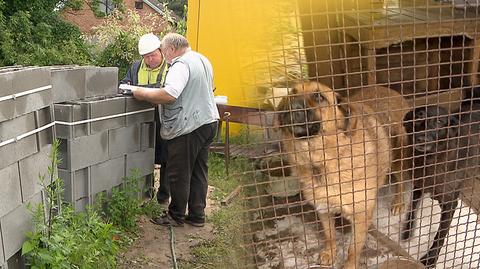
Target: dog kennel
x,y
424,52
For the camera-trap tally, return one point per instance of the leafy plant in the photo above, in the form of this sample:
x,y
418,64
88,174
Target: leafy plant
x,y
64,239
123,208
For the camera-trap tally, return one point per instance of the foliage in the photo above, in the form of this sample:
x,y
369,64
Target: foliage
x,y
123,207
116,38
33,33
64,239
177,6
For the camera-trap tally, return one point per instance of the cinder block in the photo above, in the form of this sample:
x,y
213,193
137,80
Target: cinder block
x,y
2,257
133,104
43,117
17,261
146,186
123,140
76,184
101,81
143,160
31,168
68,83
83,151
71,112
10,192
108,174
147,136
106,107
20,149
81,205
7,107
28,79
14,226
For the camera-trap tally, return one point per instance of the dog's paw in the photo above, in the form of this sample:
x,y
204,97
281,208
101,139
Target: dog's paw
x,y
326,257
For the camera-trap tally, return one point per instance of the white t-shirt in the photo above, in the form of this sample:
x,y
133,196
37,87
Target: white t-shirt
x,y
176,79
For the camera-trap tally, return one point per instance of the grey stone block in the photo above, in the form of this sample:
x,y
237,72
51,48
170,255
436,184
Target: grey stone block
x,y
43,117
83,151
101,81
28,79
147,136
14,226
133,104
17,261
31,168
143,160
70,112
7,107
68,83
10,192
20,149
76,184
108,174
81,205
123,140
106,107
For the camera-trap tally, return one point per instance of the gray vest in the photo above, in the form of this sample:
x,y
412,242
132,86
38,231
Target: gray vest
x,y
195,106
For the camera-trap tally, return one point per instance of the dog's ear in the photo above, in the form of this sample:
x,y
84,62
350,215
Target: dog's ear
x,y
348,122
408,121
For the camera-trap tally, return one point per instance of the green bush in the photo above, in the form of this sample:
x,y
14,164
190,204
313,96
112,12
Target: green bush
x,y
62,238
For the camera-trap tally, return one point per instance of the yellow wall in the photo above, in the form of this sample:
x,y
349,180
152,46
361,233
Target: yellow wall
x,y
242,38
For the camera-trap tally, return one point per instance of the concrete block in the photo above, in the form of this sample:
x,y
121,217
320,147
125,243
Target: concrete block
x,y
81,205
7,107
15,224
133,104
123,140
71,112
31,168
43,117
148,137
2,257
76,184
146,186
21,149
28,79
68,83
17,261
83,151
143,160
10,192
106,175
106,107
101,81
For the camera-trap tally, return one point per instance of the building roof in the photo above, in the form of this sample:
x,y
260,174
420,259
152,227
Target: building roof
x,y
156,5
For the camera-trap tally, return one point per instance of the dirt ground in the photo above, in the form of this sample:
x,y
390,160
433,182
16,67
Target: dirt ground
x,y
152,248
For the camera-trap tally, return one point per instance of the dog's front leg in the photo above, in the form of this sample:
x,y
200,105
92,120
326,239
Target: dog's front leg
x,y
360,223
329,253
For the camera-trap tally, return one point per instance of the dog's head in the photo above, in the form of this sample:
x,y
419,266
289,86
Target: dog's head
x,y
311,109
429,128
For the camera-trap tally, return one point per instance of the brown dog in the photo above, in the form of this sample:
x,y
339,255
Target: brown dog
x,y
341,154
390,108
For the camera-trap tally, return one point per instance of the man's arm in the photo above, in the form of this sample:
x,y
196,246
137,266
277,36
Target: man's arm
x,y
153,95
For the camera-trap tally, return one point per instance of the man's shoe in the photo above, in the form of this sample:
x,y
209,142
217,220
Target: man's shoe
x,y
166,220
194,223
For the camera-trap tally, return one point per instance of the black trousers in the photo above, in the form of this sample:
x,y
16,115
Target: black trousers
x,y
188,173
161,157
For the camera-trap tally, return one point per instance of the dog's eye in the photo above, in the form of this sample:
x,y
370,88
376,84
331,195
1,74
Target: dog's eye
x,y
317,97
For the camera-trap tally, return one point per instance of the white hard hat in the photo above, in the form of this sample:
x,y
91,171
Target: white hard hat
x,y
148,43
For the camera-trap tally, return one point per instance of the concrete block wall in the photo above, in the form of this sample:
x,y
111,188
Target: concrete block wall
x,y
23,160
96,155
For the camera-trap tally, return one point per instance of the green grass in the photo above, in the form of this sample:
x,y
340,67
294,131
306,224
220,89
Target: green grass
x,y
222,251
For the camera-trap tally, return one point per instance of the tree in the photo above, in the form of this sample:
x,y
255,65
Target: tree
x,y
33,33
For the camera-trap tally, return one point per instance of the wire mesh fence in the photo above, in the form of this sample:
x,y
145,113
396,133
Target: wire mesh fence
x,y
366,149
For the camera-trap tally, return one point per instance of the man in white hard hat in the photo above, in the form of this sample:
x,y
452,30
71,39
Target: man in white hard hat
x,y
150,72
189,123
